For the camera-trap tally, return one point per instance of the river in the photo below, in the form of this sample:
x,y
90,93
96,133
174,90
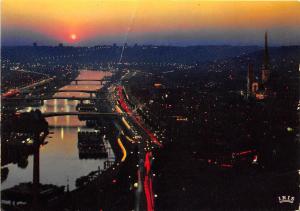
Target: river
x,y
59,158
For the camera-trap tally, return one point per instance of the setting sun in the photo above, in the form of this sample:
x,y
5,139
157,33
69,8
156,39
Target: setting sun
x,y
73,36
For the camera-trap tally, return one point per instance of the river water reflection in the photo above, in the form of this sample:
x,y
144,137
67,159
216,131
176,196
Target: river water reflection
x,y
59,158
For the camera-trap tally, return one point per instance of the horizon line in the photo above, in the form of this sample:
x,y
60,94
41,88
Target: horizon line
x,y
146,45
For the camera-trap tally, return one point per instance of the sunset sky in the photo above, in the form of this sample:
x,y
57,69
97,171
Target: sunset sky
x,y
166,22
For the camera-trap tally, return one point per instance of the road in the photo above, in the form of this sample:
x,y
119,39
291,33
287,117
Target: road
x,y
144,196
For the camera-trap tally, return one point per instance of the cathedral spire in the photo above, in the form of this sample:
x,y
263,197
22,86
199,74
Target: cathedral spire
x,y
266,53
266,64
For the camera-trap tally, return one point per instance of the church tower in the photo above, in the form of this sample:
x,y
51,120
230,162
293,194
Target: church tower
x,y
266,65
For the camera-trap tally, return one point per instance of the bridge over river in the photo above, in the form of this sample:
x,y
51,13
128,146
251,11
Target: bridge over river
x,y
76,113
42,98
90,80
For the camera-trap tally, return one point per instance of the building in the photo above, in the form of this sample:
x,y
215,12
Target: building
x,y
265,72
260,89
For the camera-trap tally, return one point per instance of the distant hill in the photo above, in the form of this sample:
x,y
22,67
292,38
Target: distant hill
x,y
148,54
285,58
283,54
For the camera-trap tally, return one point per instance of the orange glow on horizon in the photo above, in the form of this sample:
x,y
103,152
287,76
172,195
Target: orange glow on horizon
x,y
106,18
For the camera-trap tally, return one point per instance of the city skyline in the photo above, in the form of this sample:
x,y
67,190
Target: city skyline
x,y
88,23
150,105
